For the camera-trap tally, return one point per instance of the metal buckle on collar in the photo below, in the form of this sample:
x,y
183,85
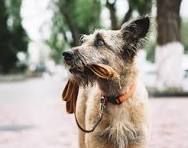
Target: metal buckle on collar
x,y
112,99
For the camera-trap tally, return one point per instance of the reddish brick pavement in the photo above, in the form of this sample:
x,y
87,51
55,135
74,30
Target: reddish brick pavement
x,y
170,120
32,116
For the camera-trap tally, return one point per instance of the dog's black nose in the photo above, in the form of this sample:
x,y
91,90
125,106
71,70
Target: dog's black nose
x,y
68,55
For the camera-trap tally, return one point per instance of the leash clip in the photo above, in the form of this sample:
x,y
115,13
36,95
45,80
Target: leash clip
x,y
102,103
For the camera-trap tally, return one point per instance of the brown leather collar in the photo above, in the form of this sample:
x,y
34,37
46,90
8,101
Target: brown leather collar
x,y
123,97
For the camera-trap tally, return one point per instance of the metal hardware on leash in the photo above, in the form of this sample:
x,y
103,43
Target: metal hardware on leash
x,y
102,107
102,103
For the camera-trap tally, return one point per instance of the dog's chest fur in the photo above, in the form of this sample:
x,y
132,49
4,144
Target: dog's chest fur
x,y
121,124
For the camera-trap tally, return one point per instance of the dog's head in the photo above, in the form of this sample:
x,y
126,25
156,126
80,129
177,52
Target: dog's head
x,y
115,48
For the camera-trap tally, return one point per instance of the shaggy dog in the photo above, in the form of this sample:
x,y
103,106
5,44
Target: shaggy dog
x,y
104,91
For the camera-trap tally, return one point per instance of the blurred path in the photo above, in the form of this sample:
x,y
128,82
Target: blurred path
x,y
32,115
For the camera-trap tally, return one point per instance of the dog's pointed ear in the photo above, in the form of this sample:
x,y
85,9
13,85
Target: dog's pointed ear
x,y
136,30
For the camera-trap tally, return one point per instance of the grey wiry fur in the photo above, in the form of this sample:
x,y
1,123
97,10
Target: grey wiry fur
x,y
122,137
118,51
116,48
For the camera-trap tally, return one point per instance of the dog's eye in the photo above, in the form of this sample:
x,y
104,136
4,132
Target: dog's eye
x,y
81,41
99,42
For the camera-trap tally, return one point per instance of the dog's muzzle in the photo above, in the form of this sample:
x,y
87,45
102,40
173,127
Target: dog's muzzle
x,y
74,62
68,57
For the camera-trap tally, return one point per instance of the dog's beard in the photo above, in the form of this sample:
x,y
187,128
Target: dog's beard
x,y
83,76
86,73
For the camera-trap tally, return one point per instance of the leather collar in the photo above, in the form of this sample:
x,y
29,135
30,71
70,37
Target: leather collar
x,y
117,100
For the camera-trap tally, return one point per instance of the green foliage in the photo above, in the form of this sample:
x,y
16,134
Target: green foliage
x,y
71,19
150,51
13,10
143,7
57,44
12,36
184,35
86,17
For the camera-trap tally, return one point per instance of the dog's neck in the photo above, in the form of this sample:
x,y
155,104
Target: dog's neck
x,y
118,86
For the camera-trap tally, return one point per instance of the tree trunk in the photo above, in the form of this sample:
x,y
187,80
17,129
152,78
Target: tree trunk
x,y
145,7
8,55
65,11
127,15
169,51
113,17
168,20
74,30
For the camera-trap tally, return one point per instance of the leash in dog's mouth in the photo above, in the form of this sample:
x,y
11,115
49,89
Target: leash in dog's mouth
x,y
103,71
71,90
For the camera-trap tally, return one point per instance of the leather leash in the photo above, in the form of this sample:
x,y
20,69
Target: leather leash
x,y
103,101
100,116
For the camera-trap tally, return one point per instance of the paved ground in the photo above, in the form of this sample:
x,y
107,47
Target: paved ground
x,y
32,115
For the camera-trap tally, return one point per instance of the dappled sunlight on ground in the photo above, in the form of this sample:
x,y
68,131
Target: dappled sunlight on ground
x,y
33,115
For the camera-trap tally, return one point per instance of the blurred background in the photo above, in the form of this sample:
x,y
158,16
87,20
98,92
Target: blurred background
x,y
33,34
